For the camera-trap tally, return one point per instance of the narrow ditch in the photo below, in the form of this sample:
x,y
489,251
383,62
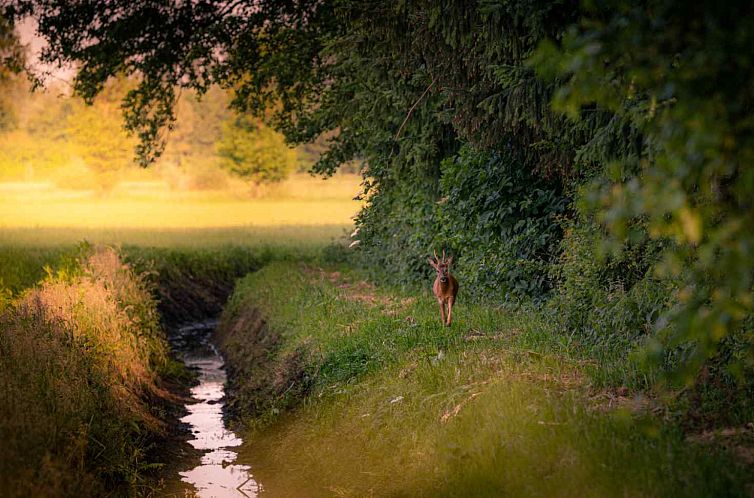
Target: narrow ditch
x,y
217,474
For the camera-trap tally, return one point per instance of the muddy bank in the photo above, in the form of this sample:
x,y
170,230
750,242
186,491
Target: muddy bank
x,y
262,379
192,285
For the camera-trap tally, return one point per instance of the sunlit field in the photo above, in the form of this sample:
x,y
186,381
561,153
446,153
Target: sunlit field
x,y
300,201
40,224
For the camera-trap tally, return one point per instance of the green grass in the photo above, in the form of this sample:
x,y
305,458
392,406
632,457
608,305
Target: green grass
x,y
22,267
281,236
24,252
371,396
65,428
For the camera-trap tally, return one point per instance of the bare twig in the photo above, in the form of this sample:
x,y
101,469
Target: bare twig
x,y
410,111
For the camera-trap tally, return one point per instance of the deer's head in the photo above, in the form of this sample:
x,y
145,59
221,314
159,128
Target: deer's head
x,y
441,265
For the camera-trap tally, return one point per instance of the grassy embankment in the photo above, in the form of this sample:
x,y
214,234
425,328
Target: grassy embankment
x,y
84,363
350,390
83,356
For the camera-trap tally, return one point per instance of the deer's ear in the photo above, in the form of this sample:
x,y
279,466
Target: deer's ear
x,y
450,260
432,263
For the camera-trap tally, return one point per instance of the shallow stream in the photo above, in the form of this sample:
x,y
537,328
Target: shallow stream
x,y
217,475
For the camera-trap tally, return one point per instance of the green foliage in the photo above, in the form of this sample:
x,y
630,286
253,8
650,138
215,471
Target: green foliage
x,y
255,152
501,220
498,220
638,110
97,133
23,267
608,304
11,63
682,75
199,125
193,284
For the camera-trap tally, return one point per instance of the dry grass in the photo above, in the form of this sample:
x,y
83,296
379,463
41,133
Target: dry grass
x,y
80,354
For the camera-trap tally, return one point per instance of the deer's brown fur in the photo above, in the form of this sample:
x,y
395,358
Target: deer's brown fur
x,y
445,287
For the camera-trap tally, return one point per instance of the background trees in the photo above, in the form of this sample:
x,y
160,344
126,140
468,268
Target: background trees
x,y
52,136
255,152
11,60
96,133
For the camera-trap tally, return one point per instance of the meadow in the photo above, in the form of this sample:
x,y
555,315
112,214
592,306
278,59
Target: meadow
x,y
348,389
89,287
341,385
300,200
39,226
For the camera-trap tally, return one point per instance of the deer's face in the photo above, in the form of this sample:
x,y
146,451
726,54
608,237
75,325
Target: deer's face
x,y
442,271
442,267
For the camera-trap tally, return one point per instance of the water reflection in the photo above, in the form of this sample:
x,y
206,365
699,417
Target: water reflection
x,y
217,475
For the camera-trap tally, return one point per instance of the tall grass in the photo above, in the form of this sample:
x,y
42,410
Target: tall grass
x,y
82,352
364,393
80,356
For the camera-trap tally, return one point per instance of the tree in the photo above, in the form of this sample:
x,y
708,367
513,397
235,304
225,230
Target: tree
x,y
683,75
254,151
199,125
97,135
11,63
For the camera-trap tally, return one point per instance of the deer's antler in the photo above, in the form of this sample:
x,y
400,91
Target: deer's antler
x,y
443,255
435,253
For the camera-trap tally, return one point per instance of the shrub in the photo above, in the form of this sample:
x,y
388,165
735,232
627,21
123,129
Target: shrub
x,y
609,303
499,221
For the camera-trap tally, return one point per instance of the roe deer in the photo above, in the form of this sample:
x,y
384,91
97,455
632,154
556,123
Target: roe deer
x,y
445,287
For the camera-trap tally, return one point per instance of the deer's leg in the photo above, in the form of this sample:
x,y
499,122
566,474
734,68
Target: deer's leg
x,y
442,310
450,310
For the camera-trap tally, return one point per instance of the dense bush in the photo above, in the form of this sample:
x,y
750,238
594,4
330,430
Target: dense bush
x,y
396,233
501,221
607,302
590,284
682,75
498,220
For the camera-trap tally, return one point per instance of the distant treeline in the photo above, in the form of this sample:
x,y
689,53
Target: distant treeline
x,y
586,158
49,135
